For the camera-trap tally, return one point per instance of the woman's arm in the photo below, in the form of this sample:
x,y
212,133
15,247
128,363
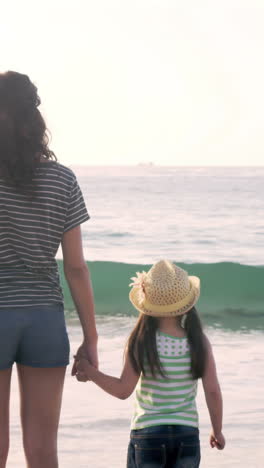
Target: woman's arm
x,y
78,278
213,398
121,387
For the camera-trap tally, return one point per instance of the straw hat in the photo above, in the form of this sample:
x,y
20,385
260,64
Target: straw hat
x,y
165,290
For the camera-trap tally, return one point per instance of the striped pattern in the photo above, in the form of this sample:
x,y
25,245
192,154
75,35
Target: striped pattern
x,y
31,229
169,400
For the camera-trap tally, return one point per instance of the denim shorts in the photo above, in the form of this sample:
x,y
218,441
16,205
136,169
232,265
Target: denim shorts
x,y
33,336
165,446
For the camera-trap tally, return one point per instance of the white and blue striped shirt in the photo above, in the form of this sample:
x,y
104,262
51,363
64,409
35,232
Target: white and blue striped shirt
x,y
31,229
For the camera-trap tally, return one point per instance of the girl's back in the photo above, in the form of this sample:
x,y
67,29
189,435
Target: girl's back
x,y
167,352
168,399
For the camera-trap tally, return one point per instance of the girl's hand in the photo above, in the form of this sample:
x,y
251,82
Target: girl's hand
x,y
218,442
85,370
88,351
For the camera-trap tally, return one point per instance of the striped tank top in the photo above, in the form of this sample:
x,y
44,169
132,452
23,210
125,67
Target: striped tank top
x,y
169,400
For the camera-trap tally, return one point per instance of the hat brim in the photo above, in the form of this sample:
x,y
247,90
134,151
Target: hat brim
x,y
136,297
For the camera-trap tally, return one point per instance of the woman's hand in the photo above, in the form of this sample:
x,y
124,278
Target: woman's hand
x,y
217,441
85,371
87,351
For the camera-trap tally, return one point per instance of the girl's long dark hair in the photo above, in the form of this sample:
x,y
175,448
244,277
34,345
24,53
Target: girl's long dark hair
x,y
197,343
23,133
142,348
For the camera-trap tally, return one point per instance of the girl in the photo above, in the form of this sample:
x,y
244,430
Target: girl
x,y
41,206
167,353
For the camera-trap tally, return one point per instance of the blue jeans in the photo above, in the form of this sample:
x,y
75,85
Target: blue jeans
x,y
169,446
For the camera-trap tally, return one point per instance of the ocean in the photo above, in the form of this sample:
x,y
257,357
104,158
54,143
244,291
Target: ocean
x,y
207,220
210,222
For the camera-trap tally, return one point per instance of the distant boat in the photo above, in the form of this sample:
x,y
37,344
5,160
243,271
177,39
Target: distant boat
x,y
148,164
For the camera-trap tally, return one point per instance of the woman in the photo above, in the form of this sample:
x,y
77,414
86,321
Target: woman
x,y
41,206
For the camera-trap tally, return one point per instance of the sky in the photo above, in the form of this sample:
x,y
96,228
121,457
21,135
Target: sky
x,y
173,82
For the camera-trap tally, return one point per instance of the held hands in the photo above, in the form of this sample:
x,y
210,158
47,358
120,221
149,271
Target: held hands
x,y
85,370
87,351
218,442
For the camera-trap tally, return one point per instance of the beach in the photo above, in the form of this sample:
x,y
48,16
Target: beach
x,y
94,429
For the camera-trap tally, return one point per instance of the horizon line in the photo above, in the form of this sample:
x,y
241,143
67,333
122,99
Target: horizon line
x,y
153,165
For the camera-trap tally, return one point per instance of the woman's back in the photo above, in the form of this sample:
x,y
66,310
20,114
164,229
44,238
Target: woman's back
x,y
32,225
41,206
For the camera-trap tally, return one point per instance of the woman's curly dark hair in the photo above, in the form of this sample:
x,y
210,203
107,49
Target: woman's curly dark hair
x,y
23,132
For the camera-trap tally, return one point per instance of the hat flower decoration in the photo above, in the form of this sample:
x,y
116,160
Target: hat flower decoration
x,y
138,282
